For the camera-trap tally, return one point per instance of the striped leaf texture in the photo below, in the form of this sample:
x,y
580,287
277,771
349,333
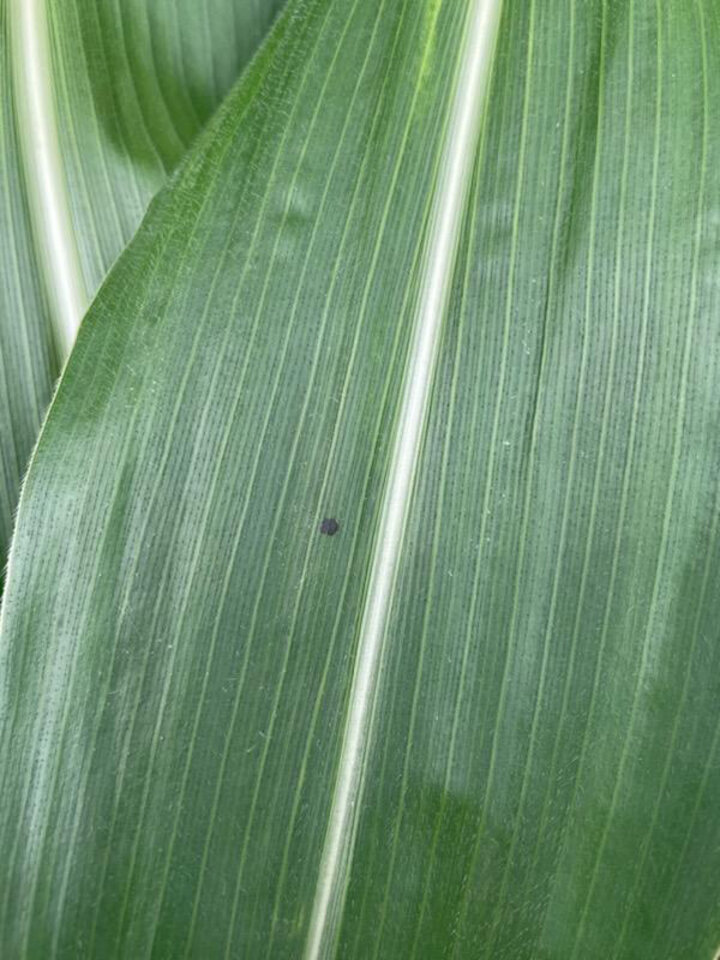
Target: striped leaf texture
x,y
99,100
29,362
137,81
363,600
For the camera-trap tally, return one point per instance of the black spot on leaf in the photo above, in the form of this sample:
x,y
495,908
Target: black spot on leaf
x,y
329,527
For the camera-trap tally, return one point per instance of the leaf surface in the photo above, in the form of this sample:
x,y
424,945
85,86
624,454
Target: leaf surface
x,y
28,356
123,89
137,81
183,648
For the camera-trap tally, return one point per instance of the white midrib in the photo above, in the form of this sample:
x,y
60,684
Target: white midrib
x,y
55,243
452,188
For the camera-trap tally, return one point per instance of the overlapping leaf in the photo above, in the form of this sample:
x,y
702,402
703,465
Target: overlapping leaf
x,y
132,82
137,80
28,359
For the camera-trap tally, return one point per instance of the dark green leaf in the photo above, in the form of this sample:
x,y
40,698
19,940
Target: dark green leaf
x,y
202,756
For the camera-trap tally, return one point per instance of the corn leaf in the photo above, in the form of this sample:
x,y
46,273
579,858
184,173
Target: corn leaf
x,y
99,101
363,597
28,355
138,81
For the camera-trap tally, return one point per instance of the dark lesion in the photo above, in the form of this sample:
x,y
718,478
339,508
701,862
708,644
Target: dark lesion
x,y
329,527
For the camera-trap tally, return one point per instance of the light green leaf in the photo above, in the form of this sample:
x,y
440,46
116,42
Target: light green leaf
x,y
99,102
480,720
138,79
28,357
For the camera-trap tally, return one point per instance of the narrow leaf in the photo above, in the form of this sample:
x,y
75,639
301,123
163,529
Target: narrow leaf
x,y
99,102
28,355
135,82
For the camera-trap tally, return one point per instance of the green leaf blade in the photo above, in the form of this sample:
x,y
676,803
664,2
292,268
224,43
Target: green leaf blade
x,y
179,638
559,764
29,363
99,102
280,529
136,83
